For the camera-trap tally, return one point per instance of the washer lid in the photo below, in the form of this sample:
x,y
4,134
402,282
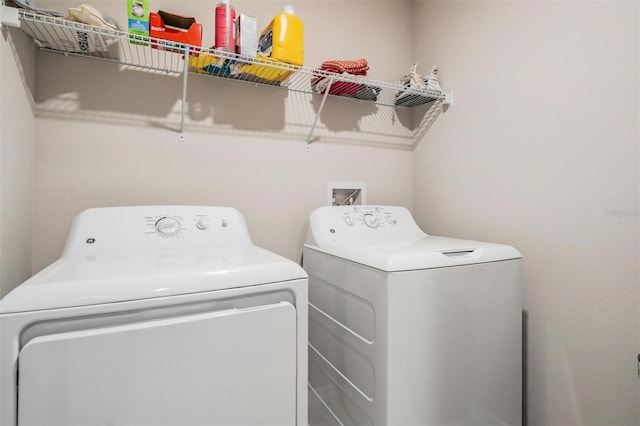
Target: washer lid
x,y
387,238
116,277
394,255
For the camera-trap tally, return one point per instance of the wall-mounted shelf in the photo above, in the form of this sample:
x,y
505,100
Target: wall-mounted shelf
x,y
73,38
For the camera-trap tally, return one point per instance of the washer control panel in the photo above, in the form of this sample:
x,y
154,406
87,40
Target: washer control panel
x,y
335,224
372,217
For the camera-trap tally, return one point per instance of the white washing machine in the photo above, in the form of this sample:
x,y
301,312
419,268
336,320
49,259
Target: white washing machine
x,y
160,315
407,328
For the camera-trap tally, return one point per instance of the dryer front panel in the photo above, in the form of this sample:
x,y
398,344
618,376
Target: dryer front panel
x,y
227,367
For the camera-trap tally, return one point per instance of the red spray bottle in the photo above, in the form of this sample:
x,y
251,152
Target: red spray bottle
x,y
225,27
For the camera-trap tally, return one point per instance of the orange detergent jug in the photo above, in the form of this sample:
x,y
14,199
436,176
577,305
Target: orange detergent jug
x,y
282,39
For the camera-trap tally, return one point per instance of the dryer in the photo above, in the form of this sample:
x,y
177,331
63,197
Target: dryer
x,y
407,328
158,315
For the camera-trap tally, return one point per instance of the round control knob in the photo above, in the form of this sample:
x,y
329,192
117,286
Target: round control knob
x,y
348,220
370,220
202,224
168,226
392,220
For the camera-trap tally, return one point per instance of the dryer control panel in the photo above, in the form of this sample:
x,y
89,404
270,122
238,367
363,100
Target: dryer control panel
x,y
172,225
112,229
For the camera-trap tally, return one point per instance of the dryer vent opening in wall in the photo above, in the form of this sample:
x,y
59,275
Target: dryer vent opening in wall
x,y
346,193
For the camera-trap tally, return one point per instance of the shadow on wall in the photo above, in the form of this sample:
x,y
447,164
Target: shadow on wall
x,y
342,114
22,50
235,103
78,84
72,87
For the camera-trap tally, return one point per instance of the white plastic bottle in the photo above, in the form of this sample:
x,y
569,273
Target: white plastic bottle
x,y
225,27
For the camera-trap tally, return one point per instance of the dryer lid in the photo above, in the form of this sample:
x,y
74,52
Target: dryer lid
x,y
116,277
387,238
116,254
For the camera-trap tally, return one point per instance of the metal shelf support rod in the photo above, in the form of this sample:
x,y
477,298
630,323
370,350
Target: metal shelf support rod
x,y
185,73
310,139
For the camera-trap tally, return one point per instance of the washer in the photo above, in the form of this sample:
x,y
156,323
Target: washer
x,y
407,328
158,315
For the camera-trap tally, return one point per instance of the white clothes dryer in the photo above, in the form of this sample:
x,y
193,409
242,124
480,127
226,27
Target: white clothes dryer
x,y
407,328
157,315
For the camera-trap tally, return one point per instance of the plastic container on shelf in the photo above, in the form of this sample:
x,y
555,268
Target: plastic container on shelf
x,y
225,27
282,40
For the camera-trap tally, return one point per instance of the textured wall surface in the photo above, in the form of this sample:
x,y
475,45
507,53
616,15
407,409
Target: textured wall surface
x,y
540,151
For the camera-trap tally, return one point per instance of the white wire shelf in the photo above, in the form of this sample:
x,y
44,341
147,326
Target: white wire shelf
x,y
161,56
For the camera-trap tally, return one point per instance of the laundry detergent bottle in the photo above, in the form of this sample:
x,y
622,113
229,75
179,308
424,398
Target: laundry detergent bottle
x,y
225,27
282,39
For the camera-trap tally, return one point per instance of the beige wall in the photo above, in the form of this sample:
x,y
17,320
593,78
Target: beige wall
x,y
17,140
107,136
274,183
540,150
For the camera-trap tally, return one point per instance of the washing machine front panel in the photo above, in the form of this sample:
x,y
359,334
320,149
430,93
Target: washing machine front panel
x,y
436,346
228,362
458,356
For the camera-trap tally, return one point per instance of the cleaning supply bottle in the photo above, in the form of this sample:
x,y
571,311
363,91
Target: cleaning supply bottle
x,y
225,27
282,39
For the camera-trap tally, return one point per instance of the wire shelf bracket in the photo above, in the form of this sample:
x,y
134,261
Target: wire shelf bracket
x,y
9,16
310,139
